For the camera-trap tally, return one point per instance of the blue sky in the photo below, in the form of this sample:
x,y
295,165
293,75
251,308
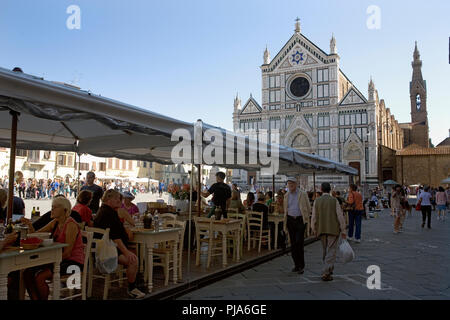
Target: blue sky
x,y
187,59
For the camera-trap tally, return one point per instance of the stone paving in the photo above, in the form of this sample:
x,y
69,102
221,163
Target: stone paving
x,y
414,266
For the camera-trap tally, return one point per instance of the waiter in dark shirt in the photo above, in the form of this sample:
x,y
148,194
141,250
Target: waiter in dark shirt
x,y
221,195
97,191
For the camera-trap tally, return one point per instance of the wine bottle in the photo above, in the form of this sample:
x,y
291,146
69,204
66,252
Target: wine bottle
x,y
33,212
38,213
9,228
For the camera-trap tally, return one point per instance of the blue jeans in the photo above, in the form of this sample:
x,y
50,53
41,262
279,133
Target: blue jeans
x,y
354,217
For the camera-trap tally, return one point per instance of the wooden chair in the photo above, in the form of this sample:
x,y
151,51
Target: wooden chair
x,y
205,234
167,218
255,219
106,277
142,206
87,241
243,218
164,255
82,225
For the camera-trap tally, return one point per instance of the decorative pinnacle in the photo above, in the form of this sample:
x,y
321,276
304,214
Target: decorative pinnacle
x,y
297,25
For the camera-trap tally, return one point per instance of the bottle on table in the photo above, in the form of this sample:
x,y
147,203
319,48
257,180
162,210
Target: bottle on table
x,y
33,212
147,220
9,228
38,213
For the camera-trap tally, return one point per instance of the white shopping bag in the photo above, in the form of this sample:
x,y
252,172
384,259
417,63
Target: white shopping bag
x,y
106,257
345,252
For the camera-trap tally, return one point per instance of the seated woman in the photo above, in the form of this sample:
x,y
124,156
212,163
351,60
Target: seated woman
x,y
248,203
130,207
123,213
64,229
46,218
83,201
235,202
279,208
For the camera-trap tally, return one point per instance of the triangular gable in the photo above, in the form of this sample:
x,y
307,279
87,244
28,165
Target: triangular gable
x,y
251,106
308,48
290,61
353,96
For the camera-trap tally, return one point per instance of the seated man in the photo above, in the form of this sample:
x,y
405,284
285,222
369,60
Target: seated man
x,y
107,217
260,206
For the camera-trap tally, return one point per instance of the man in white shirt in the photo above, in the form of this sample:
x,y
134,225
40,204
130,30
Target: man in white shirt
x,y
297,210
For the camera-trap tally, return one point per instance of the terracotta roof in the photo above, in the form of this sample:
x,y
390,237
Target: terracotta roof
x,y
444,143
416,150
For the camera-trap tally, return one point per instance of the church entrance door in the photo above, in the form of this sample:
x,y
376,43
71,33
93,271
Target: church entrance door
x,y
356,179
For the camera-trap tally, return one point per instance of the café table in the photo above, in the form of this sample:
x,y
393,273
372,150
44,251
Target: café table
x,y
225,226
276,219
14,259
150,237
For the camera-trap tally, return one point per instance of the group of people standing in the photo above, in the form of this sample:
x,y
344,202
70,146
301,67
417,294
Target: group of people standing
x,y
325,215
427,201
45,188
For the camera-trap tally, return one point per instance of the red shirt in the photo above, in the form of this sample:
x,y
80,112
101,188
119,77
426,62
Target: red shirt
x,y
84,211
77,253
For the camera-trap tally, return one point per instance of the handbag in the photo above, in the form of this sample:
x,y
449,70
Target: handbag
x,y
418,205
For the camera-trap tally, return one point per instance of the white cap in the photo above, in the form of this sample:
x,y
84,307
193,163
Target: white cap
x,y
293,179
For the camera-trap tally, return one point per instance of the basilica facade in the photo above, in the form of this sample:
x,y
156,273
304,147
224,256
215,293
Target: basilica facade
x,y
309,104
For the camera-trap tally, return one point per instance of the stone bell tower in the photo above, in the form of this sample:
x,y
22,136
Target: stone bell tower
x,y
418,94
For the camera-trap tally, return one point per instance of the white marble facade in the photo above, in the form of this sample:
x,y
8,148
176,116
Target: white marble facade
x,y
308,103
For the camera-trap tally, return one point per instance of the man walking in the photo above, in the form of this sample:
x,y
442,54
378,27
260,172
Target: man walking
x,y
297,209
327,222
97,191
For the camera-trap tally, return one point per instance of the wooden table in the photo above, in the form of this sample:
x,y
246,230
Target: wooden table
x,y
149,238
14,260
276,219
224,226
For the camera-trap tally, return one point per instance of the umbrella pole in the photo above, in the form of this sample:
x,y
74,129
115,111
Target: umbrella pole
x,y
273,187
12,164
314,183
199,191
190,220
78,177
